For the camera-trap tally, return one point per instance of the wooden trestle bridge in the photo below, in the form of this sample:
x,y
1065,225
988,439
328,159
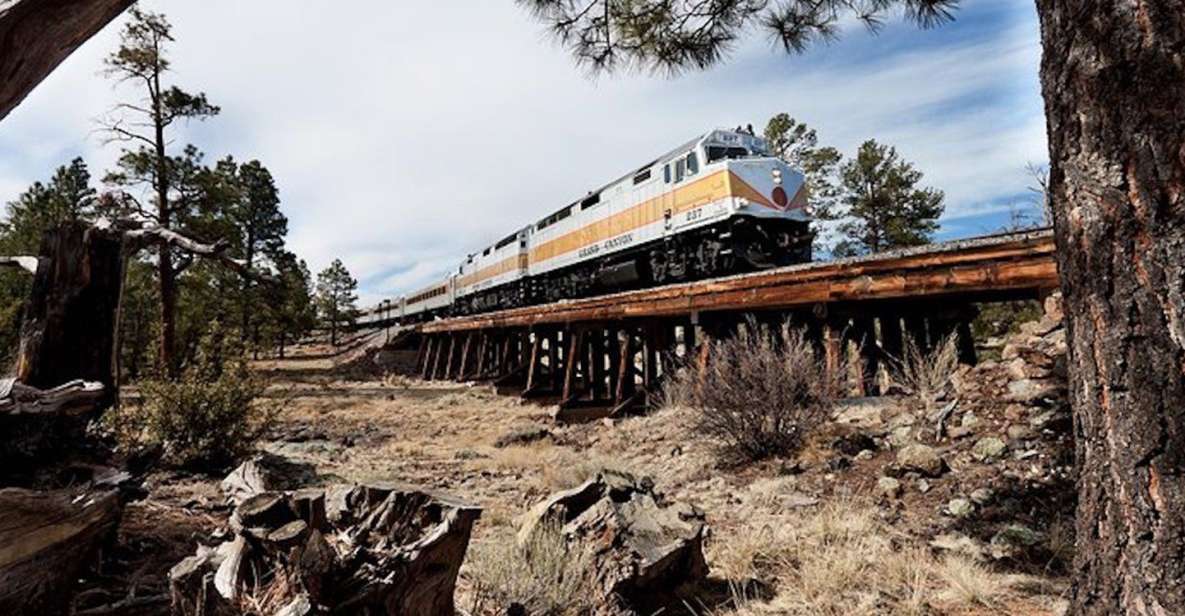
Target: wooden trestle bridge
x,y
602,355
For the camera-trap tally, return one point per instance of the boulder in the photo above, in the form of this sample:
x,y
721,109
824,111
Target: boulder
x,y
982,496
644,550
385,549
921,459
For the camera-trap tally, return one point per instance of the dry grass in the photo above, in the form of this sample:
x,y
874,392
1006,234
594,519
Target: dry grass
x,y
542,575
760,394
925,375
841,558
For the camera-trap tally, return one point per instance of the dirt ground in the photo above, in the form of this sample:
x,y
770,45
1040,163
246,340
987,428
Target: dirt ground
x,y
443,435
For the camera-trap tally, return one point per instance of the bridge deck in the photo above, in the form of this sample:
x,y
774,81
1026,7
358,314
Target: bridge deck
x,y
999,264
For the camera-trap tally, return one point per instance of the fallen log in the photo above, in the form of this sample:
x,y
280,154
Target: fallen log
x,y
46,540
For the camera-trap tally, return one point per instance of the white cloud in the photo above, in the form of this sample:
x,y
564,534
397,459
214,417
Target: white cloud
x,y
404,135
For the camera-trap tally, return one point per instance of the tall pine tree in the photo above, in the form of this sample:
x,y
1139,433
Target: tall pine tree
x,y
146,123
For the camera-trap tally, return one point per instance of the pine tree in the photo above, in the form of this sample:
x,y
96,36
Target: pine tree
x,y
885,207
336,298
141,60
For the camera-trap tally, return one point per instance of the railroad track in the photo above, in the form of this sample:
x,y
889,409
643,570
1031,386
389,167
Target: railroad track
x,y
621,344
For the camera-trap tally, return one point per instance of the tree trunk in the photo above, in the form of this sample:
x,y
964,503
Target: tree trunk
x,y
1113,77
36,35
70,323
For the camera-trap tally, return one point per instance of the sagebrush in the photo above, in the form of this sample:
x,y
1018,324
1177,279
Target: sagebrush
x,y
542,575
762,391
925,374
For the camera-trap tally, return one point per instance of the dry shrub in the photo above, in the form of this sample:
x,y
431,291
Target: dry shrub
x,y
541,575
925,375
760,394
207,419
841,558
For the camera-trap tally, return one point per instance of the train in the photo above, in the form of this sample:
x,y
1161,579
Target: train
x,y
718,204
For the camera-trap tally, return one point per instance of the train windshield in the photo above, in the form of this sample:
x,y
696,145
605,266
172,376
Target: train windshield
x,y
720,152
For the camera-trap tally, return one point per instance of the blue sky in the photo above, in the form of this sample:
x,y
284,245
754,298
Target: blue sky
x,y
404,135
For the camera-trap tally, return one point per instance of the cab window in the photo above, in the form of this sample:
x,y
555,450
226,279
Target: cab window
x,y
692,164
666,174
680,169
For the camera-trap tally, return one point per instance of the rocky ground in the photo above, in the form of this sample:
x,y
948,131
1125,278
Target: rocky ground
x,y
964,508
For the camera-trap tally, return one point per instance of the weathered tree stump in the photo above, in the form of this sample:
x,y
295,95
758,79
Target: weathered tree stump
x,y
69,328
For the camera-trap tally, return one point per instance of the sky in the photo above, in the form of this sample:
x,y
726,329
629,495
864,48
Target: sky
x,y
405,135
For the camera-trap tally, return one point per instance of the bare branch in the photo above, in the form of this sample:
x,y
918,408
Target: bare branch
x,y
141,234
27,263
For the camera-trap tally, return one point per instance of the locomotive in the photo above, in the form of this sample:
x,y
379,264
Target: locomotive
x,y
718,204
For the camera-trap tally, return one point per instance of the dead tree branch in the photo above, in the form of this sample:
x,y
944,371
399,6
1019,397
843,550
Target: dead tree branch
x,y
25,262
36,35
70,399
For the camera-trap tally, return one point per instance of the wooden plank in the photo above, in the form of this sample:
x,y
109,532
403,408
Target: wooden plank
x,y
572,362
533,367
462,370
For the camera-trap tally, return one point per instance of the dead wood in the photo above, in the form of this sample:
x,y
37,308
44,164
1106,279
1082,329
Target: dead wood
x,y
46,539
36,35
71,399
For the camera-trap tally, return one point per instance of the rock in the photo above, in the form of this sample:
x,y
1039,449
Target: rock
x,y
641,547
854,443
960,507
969,420
988,448
522,436
1020,432
1013,541
901,437
982,496
866,454
888,487
1032,390
1053,307
1020,369
903,420
838,464
921,459
922,485
861,412
959,543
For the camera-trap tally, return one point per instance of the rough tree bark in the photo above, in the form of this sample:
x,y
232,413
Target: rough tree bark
x,y
36,35
70,323
1113,76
